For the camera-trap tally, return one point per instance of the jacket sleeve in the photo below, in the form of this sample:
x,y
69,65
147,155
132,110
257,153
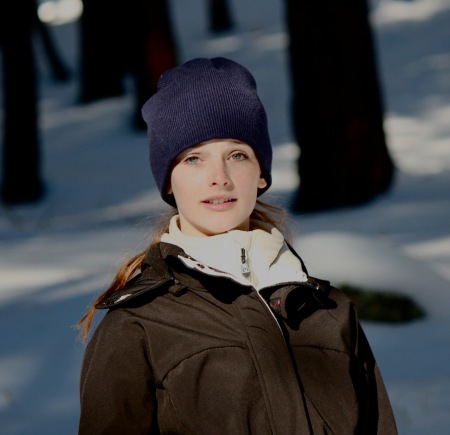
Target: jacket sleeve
x,y
117,393
342,384
377,417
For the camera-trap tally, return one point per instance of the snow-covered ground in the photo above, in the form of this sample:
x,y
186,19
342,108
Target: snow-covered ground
x,y
55,256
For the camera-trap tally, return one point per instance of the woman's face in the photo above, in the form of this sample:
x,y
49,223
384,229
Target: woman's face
x,y
215,185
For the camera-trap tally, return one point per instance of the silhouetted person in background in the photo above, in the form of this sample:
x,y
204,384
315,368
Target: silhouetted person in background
x,y
120,38
337,107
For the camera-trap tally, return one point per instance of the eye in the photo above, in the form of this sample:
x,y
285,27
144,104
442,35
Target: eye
x,y
239,155
191,160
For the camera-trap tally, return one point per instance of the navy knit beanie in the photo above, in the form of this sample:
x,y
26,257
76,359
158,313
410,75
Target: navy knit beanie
x,y
204,99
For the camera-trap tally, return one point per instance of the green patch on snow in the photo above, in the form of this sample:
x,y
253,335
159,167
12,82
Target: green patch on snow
x,y
383,306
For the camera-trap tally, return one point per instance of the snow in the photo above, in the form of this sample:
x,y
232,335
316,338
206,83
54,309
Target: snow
x,y
56,256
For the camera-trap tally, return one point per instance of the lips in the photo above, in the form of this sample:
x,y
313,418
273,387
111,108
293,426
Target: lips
x,y
219,200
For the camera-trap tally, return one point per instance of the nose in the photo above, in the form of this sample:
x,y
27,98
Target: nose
x,y
219,174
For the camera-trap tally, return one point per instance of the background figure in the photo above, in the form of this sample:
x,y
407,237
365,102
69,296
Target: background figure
x,y
337,107
219,16
117,38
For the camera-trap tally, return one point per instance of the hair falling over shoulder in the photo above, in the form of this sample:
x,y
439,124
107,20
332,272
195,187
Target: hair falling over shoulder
x,y
128,269
264,217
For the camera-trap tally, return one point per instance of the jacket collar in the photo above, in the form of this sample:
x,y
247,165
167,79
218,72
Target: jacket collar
x,y
287,301
155,274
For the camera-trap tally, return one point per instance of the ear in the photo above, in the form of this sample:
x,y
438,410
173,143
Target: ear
x,y
262,183
169,190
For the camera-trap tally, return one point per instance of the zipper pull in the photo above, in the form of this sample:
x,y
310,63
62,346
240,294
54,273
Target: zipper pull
x,y
245,268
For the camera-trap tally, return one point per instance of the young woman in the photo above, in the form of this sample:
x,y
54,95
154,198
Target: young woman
x,y
217,328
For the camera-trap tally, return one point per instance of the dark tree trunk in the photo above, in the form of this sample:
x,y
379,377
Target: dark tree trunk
x,y
337,108
156,51
102,36
219,16
21,180
120,38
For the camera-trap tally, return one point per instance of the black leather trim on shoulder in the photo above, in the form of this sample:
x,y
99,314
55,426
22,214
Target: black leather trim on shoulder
x,y
155,274
131,292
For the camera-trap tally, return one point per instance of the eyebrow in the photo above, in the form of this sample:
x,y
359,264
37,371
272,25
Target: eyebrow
x,y
199,146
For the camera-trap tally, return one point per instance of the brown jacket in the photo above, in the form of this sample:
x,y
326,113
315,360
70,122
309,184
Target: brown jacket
x,y
180,352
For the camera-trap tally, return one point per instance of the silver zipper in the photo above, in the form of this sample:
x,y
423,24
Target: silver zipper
x,y
245,267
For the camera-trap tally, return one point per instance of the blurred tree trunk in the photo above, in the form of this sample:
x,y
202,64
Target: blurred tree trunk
x,y
120,38
21,181
219,16
102,36
337,107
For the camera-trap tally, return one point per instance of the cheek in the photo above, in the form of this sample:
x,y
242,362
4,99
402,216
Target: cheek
x,y
179,188
175,181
